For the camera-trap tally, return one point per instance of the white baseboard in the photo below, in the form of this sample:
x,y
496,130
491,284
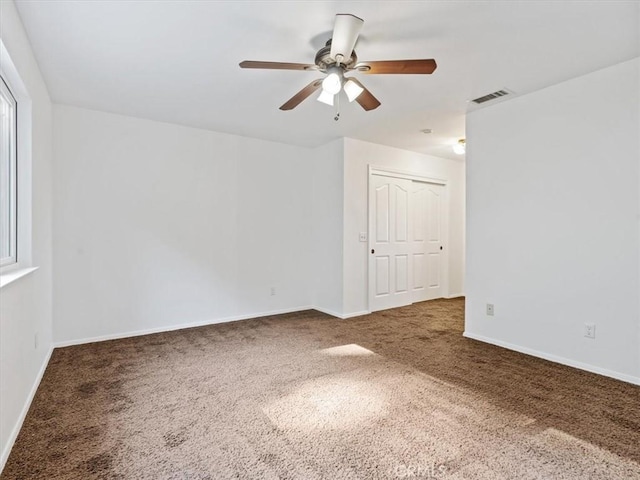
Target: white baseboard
x,y
343,316
170,328
454,295
25,409
554,358
355,314
328,312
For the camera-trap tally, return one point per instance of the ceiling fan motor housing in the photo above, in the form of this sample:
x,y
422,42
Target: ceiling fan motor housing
x,y
324,61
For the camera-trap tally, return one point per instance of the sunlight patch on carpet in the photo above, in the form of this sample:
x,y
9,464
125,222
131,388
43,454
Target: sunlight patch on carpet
x,y
612,465
328,403
350,350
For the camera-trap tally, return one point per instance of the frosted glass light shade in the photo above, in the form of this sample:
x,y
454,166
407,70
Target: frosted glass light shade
x,y
326,97
352,89
459,148
332,83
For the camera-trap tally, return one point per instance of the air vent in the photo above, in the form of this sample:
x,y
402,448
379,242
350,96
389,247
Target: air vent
x,y
491,96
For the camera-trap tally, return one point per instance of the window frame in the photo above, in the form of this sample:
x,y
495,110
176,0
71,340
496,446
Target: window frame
x,y
24,149
12,177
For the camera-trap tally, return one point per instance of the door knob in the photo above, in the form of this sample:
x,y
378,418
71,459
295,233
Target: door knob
x,y
440,247
373,250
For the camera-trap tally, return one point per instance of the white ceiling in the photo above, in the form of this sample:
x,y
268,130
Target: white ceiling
x,y
177,61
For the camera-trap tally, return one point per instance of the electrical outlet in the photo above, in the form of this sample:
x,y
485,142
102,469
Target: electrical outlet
x,y
590,330
363,236
273,291
490,310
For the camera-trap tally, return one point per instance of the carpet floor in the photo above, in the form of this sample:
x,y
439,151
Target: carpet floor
x,y
395,394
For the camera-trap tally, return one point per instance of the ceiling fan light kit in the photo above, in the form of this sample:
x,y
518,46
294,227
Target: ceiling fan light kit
x,y
338,57
333,83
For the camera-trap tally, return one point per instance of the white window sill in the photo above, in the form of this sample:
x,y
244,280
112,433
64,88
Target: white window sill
x,y
13,275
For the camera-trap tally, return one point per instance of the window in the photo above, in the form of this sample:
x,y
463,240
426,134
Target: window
x,y
8,176
16,143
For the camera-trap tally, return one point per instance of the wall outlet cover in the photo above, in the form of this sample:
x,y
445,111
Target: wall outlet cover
x,y
590,330
490,309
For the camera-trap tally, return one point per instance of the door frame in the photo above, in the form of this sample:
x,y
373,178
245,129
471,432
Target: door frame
x,y
408,175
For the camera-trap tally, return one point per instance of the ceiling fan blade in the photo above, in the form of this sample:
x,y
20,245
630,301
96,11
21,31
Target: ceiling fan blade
x,y
294,101
397,66
345,33
366,98
277,65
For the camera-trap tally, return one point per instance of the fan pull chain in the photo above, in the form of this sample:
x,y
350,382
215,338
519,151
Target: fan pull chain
x,y
337,117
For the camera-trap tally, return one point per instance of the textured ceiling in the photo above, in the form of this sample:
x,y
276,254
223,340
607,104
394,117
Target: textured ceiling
x,y
177,61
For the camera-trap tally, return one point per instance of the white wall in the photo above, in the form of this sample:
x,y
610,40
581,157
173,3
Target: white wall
x,y
159,226
328,231
552,222
358,155
25,305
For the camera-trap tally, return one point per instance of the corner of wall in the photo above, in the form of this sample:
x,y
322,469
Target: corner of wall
x,y
26,307
327,213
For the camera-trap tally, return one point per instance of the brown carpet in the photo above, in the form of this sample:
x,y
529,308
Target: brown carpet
x,y
396,394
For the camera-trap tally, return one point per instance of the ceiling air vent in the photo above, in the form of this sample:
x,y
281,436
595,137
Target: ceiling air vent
x,y
491,96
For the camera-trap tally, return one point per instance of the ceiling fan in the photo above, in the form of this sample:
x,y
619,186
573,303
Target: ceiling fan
x,y
338,57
